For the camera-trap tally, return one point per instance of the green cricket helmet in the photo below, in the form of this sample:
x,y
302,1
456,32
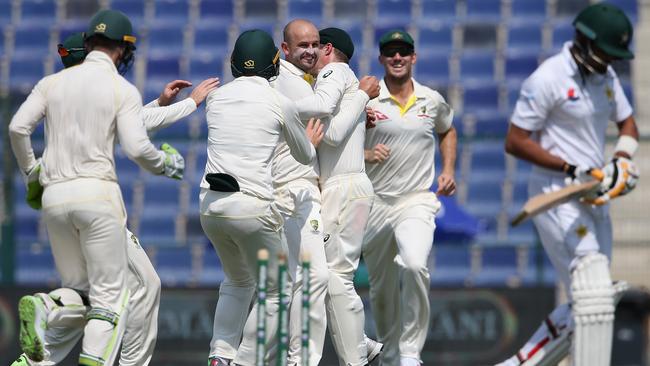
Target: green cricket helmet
x,y
72,50
608,28
255,54
111,24
116,26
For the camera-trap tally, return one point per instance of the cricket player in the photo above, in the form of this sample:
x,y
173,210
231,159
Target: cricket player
x,y
86,108
246,120
346,192
296,186
559,125
400,153
65,307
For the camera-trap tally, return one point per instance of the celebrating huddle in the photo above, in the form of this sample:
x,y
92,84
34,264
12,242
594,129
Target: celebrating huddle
x,y
305,160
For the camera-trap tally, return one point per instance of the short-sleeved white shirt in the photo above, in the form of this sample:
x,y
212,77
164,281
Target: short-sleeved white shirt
x,y
409,133
569,113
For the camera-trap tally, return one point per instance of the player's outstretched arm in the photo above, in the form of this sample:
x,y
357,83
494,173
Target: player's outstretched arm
x,y
161,117
171,91
349,115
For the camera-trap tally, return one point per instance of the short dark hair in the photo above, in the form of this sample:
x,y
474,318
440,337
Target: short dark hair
x,y
96,41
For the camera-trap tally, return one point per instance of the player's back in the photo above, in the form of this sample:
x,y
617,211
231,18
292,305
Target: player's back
x,y
347,157
244,126
82,103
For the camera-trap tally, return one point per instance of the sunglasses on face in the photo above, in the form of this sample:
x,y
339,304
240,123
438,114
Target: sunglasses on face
x,y
392,51
63,52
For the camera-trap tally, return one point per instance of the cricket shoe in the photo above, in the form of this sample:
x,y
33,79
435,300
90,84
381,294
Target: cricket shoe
x,y
374,349
218,361
33,317
21,361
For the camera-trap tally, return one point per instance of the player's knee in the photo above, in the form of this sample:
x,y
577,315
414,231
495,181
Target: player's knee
x,y
412,266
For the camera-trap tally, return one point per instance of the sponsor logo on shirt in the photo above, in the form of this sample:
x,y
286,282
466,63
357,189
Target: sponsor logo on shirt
x,y
328,74
571,95
380,116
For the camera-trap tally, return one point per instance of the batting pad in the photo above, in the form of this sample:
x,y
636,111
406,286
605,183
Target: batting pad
x,y
593,311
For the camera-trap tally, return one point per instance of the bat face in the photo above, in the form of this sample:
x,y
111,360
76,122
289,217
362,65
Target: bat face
x,y
546,201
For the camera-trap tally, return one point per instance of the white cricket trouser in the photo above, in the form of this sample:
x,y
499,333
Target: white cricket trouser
x,y
86,220
397,244
299,202
141,330
346,204
139,338
570,230
239,225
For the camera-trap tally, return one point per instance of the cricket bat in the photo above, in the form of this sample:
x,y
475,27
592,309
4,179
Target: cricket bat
x,y
545,201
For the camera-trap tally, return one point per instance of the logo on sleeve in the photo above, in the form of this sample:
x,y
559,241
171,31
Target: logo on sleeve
x,y
571,95
328,73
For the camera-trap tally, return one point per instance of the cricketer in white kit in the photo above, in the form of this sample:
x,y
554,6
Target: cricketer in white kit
x,y
559,124
81,201
297,194
346,193
400,154
65,307
246,121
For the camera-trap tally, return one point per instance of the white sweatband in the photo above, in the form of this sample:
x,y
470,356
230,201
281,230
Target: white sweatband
x,y
627,144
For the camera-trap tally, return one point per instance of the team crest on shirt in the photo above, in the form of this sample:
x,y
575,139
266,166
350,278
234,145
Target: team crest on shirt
x,y
571,95
582,231
135,241
610,94
314,225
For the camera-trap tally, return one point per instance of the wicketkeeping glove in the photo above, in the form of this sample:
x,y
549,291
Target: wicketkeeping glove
x,y
34,187
620,178
174,162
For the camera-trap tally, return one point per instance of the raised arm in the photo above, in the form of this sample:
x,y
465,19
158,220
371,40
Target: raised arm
x,y
328,92
157,117
350,114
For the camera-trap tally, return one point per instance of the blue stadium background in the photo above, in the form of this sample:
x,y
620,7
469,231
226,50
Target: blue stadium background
x,y
475,52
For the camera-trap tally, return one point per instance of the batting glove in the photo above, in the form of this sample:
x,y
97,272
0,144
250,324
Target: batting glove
x,y
620,178
34,188
579,175
174,162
